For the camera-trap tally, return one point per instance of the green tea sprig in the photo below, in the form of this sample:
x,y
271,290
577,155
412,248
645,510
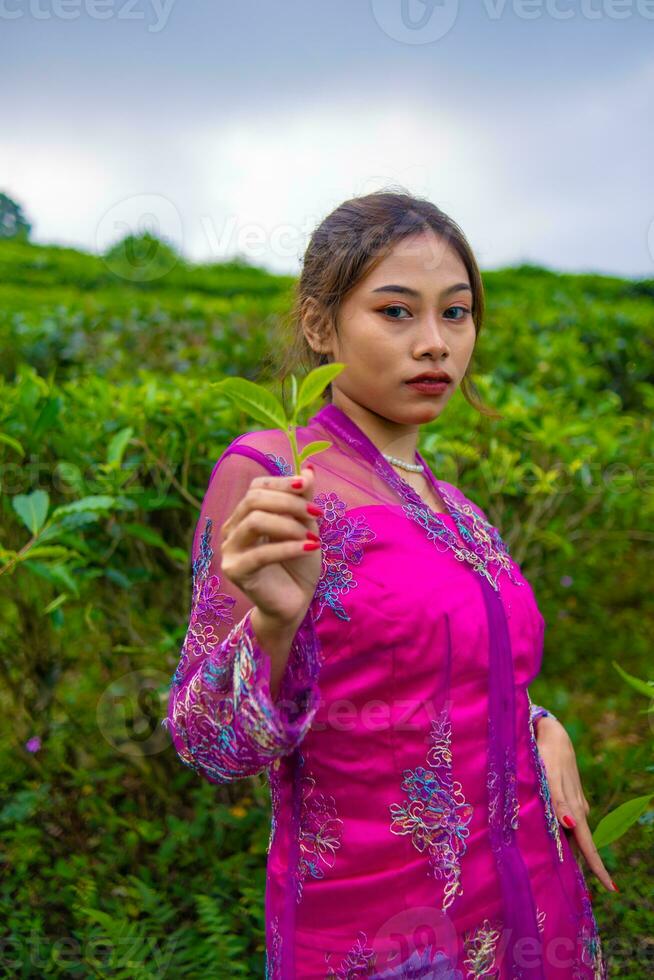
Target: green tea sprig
x,y
262,405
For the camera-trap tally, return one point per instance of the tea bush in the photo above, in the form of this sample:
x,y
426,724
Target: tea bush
x,y
118,860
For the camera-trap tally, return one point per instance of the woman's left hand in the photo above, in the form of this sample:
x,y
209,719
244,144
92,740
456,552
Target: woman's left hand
x,y
570,805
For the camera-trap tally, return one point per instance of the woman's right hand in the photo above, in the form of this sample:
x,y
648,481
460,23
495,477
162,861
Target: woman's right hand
x,y
262,547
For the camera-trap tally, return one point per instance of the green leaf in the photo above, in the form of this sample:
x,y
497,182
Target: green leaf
x,y
50,551
293,395
150,536
47,417
643,687
117,446
312,448
32,508
14,443
56,574
51,606
94,502
315,383
253,399
618,821
118,578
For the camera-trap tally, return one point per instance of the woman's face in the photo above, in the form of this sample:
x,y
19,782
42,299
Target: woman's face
x,y
412,313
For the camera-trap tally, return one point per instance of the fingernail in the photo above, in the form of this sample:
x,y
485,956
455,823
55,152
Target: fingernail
x,y
569,821
296,484
614,886
312,536
316,511
311,545
310,466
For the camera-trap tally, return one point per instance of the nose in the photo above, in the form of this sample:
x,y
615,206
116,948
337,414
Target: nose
x,y
431,337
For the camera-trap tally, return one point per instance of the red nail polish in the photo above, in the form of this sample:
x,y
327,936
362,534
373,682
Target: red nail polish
x,y
312,537
310,466
615,887
311,545
316,511
296,484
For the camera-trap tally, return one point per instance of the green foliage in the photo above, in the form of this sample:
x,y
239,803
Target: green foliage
x,y
13,223
261,405
118,860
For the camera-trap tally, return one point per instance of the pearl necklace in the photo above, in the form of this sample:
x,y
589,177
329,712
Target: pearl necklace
x,y
412,467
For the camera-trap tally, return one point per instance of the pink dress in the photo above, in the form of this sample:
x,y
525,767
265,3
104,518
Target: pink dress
x,y
412,830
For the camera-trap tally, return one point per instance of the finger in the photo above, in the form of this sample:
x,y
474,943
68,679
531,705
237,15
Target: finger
x,y
272,494
565,814
562,808
275,527
244,563
587,846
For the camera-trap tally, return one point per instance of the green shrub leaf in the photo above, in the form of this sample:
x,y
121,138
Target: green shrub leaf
x,y
315,383
257,401
312,448
94,502
32,508
618,821
117,446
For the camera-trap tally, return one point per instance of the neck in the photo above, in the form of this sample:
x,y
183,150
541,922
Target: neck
x,y
390,438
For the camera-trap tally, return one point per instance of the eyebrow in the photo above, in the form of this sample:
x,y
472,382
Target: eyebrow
x,y
407,291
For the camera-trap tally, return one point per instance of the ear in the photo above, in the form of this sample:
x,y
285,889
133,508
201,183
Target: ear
x,y
316,326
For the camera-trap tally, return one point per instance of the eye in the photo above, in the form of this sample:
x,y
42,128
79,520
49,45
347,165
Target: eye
x,y
464,312
394,307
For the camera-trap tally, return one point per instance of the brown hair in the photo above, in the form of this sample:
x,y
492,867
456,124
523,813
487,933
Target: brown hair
x,y
346,246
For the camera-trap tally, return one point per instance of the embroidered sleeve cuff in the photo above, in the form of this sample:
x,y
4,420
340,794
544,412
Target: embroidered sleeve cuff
x,y
223,720
537,711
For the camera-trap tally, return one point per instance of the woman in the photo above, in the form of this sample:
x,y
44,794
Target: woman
x,y
379,671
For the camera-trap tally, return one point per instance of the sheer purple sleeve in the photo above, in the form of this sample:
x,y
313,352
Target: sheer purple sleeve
x,y
221,716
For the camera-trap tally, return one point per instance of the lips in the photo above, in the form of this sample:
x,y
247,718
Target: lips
x,y
430,378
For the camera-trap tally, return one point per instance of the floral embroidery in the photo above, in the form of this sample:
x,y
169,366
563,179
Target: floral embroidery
x,y
543,788
483,546
356,964
284,468
480,948
536,711
239,734
342,540
437,814
273,782
588,938
273,969
209,607
426,965
480,945
320,831
510,808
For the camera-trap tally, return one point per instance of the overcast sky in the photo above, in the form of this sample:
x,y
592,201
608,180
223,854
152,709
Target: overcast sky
x,y
233,128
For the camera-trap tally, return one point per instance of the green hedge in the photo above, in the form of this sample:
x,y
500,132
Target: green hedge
x,y
118,860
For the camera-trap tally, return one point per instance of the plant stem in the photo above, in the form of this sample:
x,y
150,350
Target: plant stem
x,y
293,441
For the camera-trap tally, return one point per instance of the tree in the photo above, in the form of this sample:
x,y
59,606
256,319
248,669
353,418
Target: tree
x,y
142,257
13,223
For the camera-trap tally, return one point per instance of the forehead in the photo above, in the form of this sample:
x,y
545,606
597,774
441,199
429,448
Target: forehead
x,y
427,259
